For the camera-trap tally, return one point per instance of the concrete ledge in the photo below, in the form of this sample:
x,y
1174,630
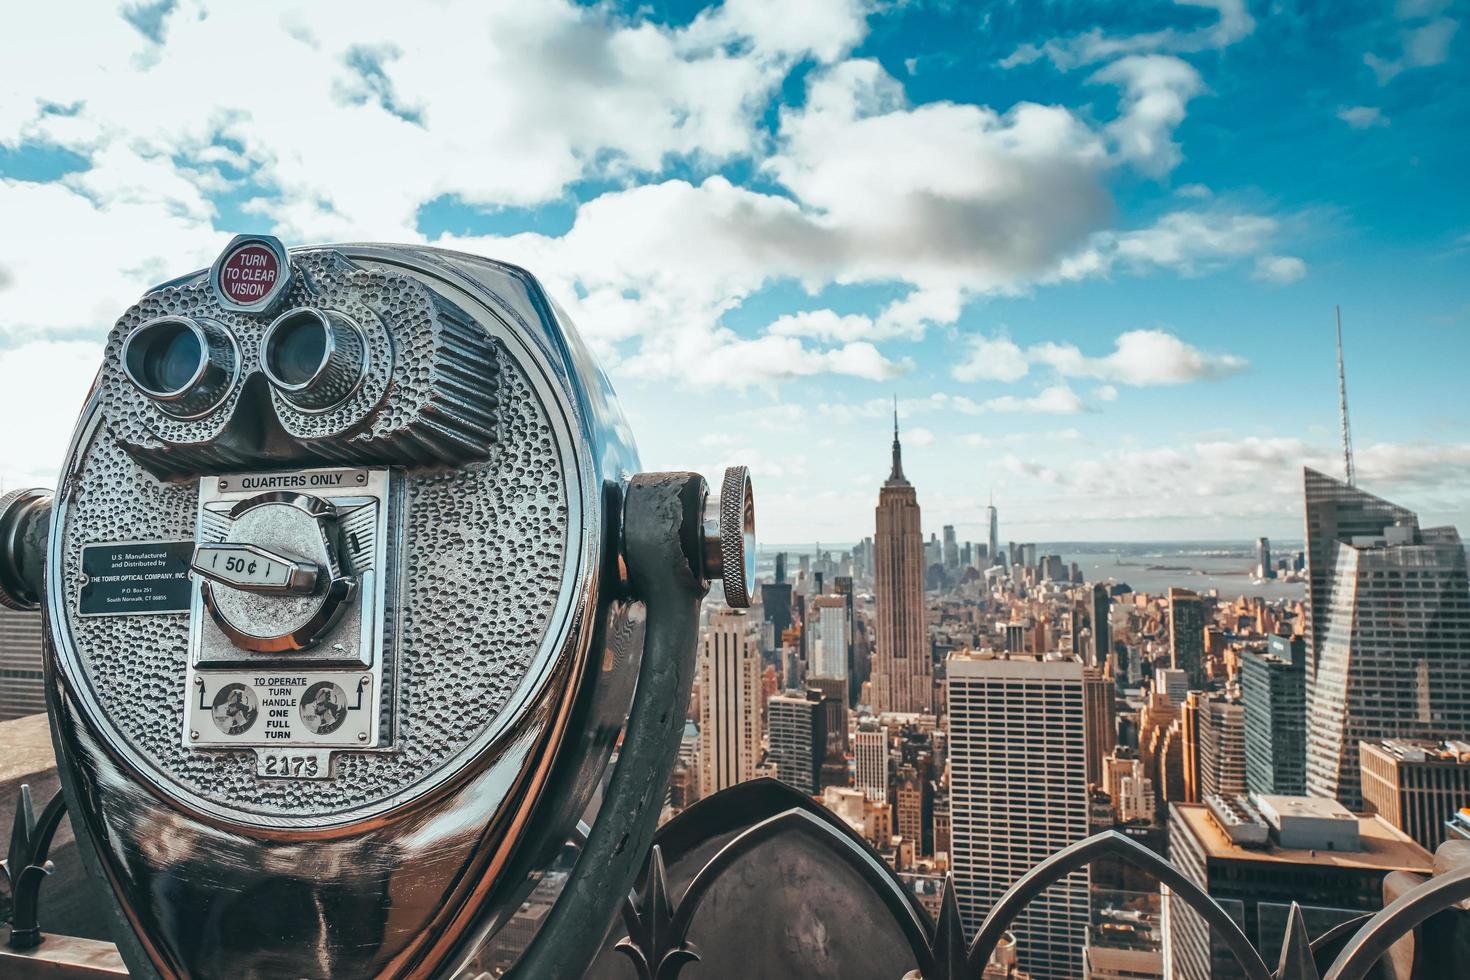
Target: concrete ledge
x,y
63,957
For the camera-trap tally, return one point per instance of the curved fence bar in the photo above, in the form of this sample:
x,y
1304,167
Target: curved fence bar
x,y
1083,853
874,873
1326,946
1396,920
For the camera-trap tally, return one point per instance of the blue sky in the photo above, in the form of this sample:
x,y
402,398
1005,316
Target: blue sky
x,y
1092,248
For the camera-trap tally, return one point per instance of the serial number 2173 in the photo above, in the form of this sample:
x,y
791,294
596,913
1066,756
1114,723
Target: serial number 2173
x,y
293,765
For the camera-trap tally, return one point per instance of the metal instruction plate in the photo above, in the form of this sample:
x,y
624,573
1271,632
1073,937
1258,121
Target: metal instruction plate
x,y
136,578
309,481
281,708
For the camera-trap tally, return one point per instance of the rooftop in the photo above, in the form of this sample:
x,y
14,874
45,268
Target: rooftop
x,y
985,663
1383,847
1314,807
1420,750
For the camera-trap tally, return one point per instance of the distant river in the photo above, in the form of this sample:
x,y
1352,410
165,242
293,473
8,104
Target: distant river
x,y
1154,573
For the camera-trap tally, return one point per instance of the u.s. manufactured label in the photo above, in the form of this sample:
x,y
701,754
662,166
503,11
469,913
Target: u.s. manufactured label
x,y
135,578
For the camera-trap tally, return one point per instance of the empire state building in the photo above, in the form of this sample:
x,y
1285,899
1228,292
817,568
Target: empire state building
x,y
902,668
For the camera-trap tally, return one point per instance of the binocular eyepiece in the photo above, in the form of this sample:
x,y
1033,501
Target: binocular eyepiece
x,y
186,365
315,358
353,587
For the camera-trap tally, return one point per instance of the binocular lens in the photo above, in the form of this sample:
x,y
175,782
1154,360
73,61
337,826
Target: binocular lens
x,y
175,359
299,349
313,357
184,364
166,358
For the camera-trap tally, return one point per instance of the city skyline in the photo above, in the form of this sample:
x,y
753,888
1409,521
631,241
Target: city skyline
x,y
1092,249
1084,596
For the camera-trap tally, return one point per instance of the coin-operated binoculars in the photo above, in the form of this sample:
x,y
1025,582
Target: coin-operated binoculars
x,y
351,586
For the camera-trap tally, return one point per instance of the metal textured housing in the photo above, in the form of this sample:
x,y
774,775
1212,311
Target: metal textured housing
x,y
507,638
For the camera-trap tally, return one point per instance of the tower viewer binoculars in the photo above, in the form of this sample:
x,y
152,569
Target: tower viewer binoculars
x,y
352,587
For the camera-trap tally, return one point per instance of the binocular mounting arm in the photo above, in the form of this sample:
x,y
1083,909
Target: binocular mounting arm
x,y
665,546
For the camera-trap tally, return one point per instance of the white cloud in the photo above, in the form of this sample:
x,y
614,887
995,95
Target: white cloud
x,y
874,408
350,123
1140,358
1055,400
1156,88
954,200
1233,22
43,386
1033,470
1238,480
1189,242
822,324
991,359
1280,269
1422,46
918,437
907,317
1362,116
942,195
985,440
360,122
723,359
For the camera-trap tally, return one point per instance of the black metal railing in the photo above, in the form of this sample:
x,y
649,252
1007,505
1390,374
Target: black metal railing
x,y
26,867
712,840
659,924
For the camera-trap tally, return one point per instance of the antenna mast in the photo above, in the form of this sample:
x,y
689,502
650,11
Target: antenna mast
x,y
1347,432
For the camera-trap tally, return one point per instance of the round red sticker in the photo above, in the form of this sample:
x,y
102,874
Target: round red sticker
x,y
249,274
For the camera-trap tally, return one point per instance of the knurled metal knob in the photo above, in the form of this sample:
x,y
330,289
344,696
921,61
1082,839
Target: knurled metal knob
x,y
729,537
277,584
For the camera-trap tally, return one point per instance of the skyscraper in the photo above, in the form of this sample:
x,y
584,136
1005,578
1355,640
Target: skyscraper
x,y
1187,635
1101,730
834,691
1273,688
911,807
1257,857
1102,627
729,702
828,624
902,673
870,753
797,733
994,544
22,681
1221,762
1389,620
951,549
1263,558
776,609
1417,785
1018,794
